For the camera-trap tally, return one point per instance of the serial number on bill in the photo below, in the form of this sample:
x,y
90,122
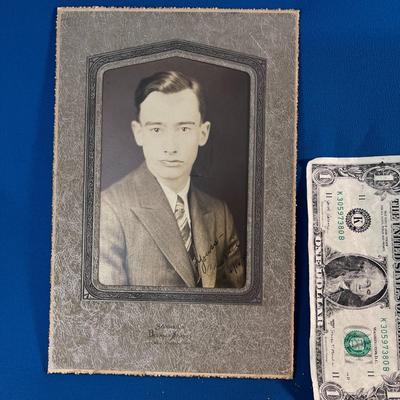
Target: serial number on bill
x,y
340,214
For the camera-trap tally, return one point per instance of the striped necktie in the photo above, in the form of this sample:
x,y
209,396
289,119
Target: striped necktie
x,y
184,227
183,222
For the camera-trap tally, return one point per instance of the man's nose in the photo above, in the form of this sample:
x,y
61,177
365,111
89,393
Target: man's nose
x,y
170,143
366,284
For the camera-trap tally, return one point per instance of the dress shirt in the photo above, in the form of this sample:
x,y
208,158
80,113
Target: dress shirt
x,y
172,198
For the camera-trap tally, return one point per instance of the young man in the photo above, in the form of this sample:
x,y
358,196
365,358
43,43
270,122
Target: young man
x,y
156,228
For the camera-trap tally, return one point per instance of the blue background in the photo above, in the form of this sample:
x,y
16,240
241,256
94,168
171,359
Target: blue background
x,y
349,102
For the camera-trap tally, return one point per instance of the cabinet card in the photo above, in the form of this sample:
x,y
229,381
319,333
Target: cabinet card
x,y
174,192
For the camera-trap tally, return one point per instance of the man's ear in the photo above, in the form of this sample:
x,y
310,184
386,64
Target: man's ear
x,y
137,132
204,133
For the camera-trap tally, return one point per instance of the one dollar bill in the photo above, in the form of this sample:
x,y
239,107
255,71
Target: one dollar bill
x,y
354,257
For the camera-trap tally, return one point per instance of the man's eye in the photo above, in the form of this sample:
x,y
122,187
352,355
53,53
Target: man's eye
x,y
368,292
156,130
185,129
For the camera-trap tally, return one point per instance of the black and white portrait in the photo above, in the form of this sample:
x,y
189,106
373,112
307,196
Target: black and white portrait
x,y
173,209
174,192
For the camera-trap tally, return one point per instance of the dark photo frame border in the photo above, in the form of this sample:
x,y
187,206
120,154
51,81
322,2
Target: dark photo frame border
x,y
250,295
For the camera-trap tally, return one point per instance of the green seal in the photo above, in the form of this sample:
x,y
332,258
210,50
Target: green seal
x,y
357,344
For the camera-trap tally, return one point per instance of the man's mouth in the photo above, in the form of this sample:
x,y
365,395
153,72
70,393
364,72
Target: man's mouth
x,y
171,163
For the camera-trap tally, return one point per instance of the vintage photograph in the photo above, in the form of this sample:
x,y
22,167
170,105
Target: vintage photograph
x,y
174,150
174,192
173,209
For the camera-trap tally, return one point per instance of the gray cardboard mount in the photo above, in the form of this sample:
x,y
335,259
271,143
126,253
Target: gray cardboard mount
x,y
175,338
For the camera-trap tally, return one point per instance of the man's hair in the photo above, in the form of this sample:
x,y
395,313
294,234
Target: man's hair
x,y
168,82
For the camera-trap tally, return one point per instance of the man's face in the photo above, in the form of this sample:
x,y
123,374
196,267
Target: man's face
x,y
369,282
170,131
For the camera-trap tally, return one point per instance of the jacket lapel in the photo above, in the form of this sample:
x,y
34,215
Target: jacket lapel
x,y
153,210
205,245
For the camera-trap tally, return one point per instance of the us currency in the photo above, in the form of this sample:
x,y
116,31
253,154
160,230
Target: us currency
x,y
354,257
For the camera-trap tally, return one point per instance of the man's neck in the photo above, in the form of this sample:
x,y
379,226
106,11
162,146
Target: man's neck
x,y
174,185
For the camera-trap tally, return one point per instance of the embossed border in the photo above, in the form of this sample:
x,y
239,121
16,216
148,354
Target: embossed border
x,y
250,295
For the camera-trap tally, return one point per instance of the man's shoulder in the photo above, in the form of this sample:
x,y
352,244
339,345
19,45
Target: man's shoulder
x,y
209,202
125,188
120,185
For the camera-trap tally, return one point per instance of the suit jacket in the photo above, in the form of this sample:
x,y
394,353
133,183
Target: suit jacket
x,y
140,242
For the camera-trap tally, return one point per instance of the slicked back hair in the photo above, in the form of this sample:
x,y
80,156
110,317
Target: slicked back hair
x,y
168,82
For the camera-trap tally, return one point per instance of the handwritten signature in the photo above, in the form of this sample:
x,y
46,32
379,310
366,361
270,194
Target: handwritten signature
x,y
201,260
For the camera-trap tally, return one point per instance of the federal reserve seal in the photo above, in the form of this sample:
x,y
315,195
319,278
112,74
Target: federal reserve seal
x,y
358,220
357,344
